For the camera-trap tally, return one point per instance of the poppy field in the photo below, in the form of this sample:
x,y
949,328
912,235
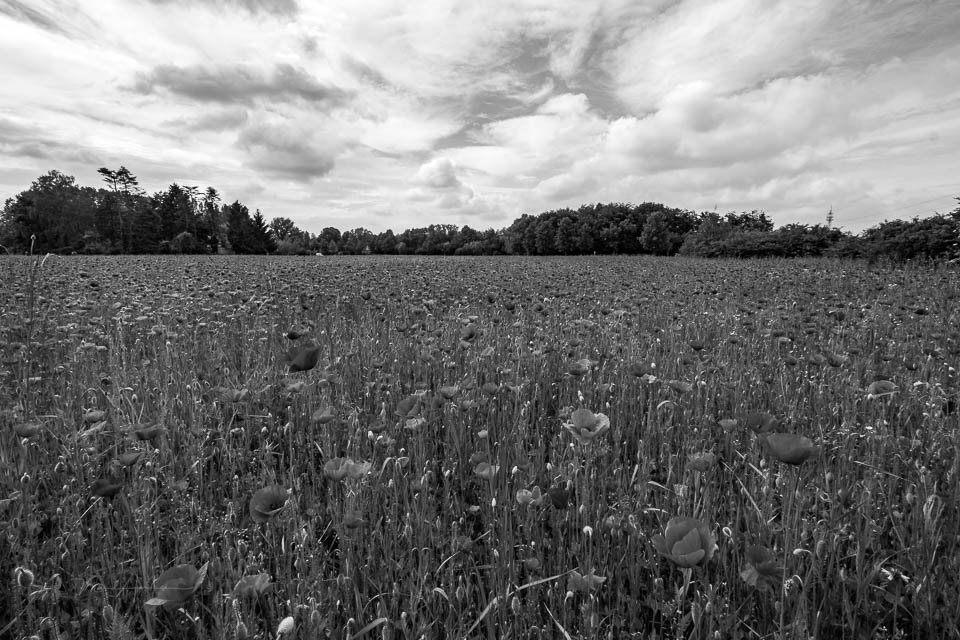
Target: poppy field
x,y
404,447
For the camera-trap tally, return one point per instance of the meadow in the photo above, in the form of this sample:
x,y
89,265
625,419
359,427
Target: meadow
x,y
401,447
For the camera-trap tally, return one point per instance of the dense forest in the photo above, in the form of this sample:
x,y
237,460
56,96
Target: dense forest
x,y
57,215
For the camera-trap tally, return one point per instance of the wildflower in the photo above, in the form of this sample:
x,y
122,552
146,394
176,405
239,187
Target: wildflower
x,y
762,568
449,392
579,368
252,586
680,386
27,429
176,585
148,432
303,358
530,496
760,422
323,416
486,470
267,502
105,488
585,425
880,388
687,542
586,583
560,496
790,448
702,461
94,415
129,458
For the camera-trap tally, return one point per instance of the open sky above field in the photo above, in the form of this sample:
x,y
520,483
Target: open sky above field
x,y
400,114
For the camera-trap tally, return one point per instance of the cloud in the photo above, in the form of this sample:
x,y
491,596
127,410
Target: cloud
x,y
276,7
287,150
439,185
239,83
22,12
225,120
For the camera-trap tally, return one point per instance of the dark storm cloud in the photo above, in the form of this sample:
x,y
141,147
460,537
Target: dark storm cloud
x,y
239,83
274,7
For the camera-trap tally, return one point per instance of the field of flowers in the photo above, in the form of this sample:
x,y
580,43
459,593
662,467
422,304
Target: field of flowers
x,y
395,447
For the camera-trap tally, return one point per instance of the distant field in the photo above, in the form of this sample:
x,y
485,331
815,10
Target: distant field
x,y
399,447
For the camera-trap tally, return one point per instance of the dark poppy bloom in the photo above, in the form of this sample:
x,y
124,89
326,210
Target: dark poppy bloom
x,y
267,502
148,432
585,583
560,496
252,586
579,368
790,447
176,585
762,568
105,488
701,462
687,542
303,358
879,388
760,422
27,429
129,458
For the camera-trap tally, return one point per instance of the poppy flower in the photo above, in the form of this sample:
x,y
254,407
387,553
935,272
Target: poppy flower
x,y
252,586
760,422
94,415
339,468
585,583
148,432
560,496
175,585
790,447
224,394
449,392
579,368
585,425
701,462
687,542
880,388
762,568
267,502
105,488
530,496
323,416
303,358
680,386
27,429
129,458
646,370
486,470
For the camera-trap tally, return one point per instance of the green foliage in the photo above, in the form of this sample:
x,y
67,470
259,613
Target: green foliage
x,y
55,214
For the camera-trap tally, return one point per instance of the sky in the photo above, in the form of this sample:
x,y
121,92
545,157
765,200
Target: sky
x,y
399,114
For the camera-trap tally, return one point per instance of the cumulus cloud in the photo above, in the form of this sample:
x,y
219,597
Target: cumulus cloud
x,y
239,83
438,184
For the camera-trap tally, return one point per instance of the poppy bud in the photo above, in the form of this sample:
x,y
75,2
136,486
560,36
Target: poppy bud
x,y
24,577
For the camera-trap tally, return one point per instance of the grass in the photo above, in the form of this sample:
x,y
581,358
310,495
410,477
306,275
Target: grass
x,y
419,480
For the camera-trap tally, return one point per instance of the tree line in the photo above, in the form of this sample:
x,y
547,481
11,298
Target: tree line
x,y
57,215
